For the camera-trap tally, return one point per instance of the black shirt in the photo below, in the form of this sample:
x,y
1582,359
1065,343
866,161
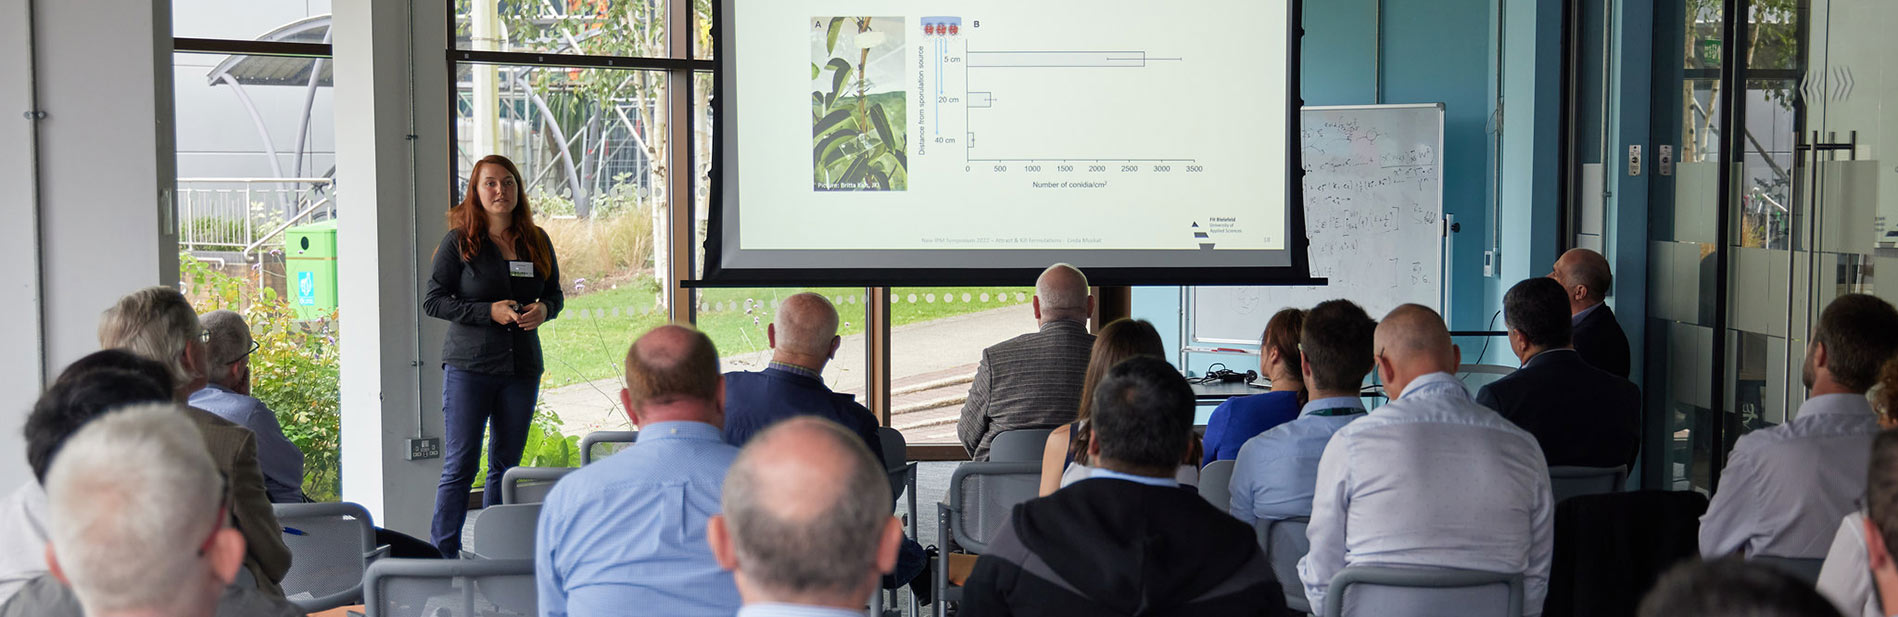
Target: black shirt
x,y
461,292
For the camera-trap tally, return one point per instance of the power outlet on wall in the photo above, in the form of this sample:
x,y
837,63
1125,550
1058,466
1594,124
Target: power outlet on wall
x,y
425,448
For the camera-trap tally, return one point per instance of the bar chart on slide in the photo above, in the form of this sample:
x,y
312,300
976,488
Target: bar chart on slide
x,y
1008,106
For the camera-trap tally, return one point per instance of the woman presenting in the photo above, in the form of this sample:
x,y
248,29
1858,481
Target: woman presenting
x,y
495,281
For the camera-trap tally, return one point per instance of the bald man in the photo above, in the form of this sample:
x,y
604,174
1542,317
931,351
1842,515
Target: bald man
x,y
1585,280
627,533
1033,380
803,340
1431,479
806,528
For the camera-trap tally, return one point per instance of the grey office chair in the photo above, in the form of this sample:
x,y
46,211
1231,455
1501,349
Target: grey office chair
x,y
981,496
502,532
530,484
1215,484
330,545
902,475
1566,482
1024,444
1804,569
601,444
1285,543
450,588
1403,591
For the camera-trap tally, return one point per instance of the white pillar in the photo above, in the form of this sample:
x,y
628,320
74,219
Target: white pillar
x,y
392,189
98,177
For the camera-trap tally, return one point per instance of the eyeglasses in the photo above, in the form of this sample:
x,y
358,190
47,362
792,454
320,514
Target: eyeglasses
x,y
246,354
204,335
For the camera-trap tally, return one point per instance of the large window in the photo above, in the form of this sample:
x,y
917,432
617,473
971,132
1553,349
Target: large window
x,y
257,204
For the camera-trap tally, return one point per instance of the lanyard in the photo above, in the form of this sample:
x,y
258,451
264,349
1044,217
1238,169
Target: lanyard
x,y
1337,411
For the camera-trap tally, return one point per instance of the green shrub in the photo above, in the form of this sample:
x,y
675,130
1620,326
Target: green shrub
x,y
295,371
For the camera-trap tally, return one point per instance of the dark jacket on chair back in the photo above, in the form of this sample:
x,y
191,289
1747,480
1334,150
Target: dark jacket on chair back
x,y
1114,547
1581,415
1601,342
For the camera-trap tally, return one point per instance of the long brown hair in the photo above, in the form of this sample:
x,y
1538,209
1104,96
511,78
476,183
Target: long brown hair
x,y
1117,341
471,220
1282,334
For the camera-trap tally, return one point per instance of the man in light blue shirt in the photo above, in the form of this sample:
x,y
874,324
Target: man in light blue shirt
x,y
1276,469
228,395
807,530
1785,488
626,534
1431,479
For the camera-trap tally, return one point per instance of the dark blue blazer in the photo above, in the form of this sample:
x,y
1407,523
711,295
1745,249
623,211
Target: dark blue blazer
x,y
754,401
1581,415
1240,418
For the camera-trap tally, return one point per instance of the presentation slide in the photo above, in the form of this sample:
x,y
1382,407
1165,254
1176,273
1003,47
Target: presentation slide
x,y
902,134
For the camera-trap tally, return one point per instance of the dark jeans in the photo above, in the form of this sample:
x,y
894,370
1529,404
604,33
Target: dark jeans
x,y
502,404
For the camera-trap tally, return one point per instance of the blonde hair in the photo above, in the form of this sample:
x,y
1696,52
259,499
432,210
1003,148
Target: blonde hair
x,y
157,323
129,500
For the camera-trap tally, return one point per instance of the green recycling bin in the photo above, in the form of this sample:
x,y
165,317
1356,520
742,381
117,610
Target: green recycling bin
x,y
309,262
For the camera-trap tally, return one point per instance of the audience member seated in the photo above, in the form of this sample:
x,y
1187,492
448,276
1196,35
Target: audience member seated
x,y
1239,418
98,382
158,324
803,339
1064,458
1581,415
1884,395
1431,479
627,533
806,529
1033,380
1275,473
228,395
1128,540
1785,488
1585,280
1859,576
1732,588
136,516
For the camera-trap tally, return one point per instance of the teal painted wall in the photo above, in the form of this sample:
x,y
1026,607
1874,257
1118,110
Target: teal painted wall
x,y
1431,51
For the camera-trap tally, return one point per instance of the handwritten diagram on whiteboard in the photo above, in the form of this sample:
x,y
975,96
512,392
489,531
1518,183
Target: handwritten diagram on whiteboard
x,y
1373,214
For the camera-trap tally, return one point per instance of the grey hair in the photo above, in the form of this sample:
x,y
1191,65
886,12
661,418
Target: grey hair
x,y
156,323
832,551
1062,299
806,322
230,341
129,500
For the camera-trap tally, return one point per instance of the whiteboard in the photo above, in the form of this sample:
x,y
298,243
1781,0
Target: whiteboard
x,y
1373,214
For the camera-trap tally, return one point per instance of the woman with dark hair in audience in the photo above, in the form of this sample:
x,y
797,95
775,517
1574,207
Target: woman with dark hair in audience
x,y
1239,418
1064,460
495,280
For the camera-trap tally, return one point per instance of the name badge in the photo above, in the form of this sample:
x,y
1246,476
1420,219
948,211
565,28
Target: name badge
x,y
521,269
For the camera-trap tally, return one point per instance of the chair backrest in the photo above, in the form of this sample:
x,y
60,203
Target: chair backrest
x,y
530,484
981,496
503,532
1022,444
1804,569
450,588
1285,543
601,444
1475,376
1215,482
895,458
1395,591
1568,482
329,543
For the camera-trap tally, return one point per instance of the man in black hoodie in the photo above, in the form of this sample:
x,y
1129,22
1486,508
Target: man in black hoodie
x,y
1129,540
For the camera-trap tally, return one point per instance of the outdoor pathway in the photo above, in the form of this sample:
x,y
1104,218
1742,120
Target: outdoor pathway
x,y
933,363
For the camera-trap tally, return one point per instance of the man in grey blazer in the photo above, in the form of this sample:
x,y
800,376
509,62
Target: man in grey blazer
x,y
1033,380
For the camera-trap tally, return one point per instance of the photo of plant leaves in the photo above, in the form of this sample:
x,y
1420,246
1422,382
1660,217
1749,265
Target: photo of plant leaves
x,y
858,111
